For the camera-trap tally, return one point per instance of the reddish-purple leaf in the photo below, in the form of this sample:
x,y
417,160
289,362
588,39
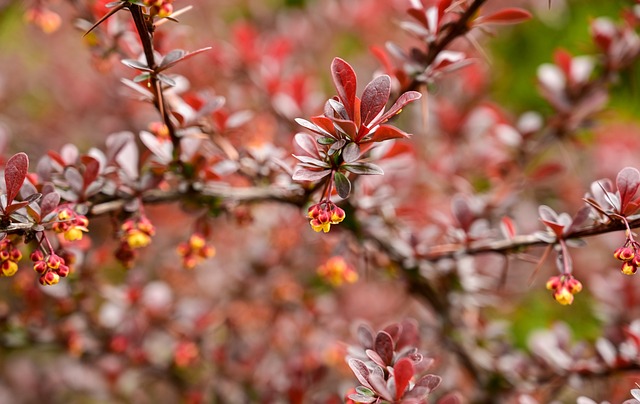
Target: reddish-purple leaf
x,y
305,174
374,98
579,219
91,170
347,127
344,78
403,372
384,347
15,172
547,214
395,109
429,381
506,16
343,185
307,143
462,212
410,335
365,336
394,331
451,398
49,203
350,153
310,161
379,385
360,370
371,354
419,15
15,206
628,182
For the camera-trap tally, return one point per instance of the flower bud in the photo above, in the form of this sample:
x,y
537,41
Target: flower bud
x,y
337,215
37,255
54,261
63,271
624,254
563,296
40,267
574,285
49,278
553,283
628,268
9,268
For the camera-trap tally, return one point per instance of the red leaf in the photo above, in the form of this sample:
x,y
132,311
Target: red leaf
x,y
410,336
507,16
508,227
562,59
386,132
344,78
462,212
384,347
628,182
394,330
91,171
374,98
14,174
419,15
431,382
360,370
307,143
323,123
49,203
305,174
403,372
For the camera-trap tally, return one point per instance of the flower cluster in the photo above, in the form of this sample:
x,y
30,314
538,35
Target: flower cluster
x,y
564,287
629,256
161,8
48,21
195,251
51,268
336,271
71,224
9,255
324,214
136,234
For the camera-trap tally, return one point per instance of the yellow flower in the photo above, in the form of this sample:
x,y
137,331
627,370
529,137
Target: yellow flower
x,y
336,272
74,233
9,268
137,239
563,296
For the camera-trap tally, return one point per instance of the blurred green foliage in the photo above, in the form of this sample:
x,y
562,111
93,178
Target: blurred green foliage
x,y
517,52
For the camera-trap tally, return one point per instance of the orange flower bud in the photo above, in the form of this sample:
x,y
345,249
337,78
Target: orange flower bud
x,y
9,268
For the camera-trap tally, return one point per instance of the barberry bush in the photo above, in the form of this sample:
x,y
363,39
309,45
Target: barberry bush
x,y
298,201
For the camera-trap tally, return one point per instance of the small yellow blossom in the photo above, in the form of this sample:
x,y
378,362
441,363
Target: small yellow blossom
x,y
137,239
336,271
9,268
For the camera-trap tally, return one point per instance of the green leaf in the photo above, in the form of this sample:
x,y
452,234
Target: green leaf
x,y
141,77
343,185
326,140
